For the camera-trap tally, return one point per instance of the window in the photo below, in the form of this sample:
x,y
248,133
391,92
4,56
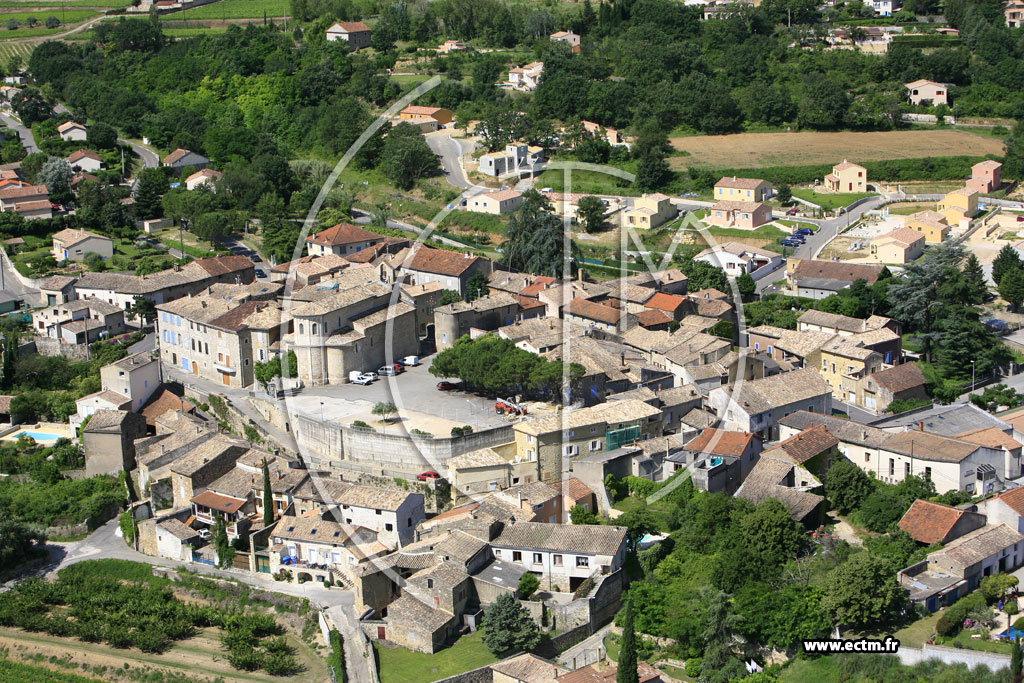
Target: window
x,y
408,522
389,527
556,560
595,445
892,467
517,556
377,512
867,457
300,328
537,559
927,472
582,561
430,583
906,469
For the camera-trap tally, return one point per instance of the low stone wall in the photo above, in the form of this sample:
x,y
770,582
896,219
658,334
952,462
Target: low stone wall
x,y
45,346
68,530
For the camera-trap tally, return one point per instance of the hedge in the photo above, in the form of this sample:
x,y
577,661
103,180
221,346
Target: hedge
x,y
930,168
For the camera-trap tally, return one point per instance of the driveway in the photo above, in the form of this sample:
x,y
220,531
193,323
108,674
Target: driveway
x,y
450,150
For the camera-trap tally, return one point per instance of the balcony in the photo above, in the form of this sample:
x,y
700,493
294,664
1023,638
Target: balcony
x,y
222,367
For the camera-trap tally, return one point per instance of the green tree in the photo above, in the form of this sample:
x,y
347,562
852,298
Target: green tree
x,y
846,485
652,172
31,165
477,286
406,157
507,627
590,213
56,175
17,540
534,238
220,541
268,496
773,535
102,135
384,410
639,522
1013,162
528,585
627,653
1006,260
449,296
142,308
266,371
746,285
151,188
1015,658
861,591
784,194
974,279
581,515
1011,286
29,105
52,22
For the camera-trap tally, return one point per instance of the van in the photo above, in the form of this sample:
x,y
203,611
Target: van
x,y
411,361
354,375
387,371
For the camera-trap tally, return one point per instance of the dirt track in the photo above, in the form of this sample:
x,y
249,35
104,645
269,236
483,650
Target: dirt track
x,y
749,150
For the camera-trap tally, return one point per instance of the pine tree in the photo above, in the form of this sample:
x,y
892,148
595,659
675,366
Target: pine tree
x,y
1011,286
627,655
508,627
268,496
975,278
1006,260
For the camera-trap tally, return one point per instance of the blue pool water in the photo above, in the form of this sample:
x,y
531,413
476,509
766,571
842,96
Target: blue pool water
x,y
38,436
1010,633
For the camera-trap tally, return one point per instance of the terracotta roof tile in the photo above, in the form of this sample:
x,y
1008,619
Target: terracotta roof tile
x,y
900,377
928,522
720,442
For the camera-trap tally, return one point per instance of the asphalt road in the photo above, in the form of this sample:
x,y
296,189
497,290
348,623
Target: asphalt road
x,y
150,159
449,150
27,141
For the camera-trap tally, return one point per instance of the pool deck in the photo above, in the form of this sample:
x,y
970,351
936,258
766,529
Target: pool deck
x,y
57,429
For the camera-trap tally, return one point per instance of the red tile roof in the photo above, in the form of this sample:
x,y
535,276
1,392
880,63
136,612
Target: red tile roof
x,y
665,302
928,522
594,311
82,154
343,233
652,318
160,402
720,442
440,261
1014,498
222,265
538,285
219,502
572,487
809,443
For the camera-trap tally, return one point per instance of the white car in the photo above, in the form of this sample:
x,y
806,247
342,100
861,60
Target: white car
x,y
204,534
364,379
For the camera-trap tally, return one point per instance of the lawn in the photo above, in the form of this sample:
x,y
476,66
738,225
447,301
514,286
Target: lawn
x,y
829,201
910,343
237,9
587,182
400,665
753,150
820,670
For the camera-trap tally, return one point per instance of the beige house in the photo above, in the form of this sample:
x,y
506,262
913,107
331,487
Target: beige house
x,y
497,203
901,245
847,178
843,364
134,378
73,245
355,33
80,321
341,240
317,548
739,214
1013,12
438,115
204,177
487,470
217,338
648,211
108,441
562,555
959,204
986,176
927,92
72,131
554,441
743,189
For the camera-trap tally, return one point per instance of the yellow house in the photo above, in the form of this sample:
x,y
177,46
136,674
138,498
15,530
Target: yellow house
x,y
847,178
841,364
648,211
743,189
931,224
959,204
438,114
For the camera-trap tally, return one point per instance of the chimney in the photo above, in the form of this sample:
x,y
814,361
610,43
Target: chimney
x,y
920,426
864,435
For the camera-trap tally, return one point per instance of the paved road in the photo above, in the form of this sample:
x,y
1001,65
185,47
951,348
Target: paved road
x,y
450,149
147,343
150,159
27,141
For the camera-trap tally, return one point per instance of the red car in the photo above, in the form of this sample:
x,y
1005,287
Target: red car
x,y
428,475
447,386
1020,219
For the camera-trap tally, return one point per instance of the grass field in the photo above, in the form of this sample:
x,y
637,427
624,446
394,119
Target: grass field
x,y
750,150
70,17
237,9
31,4
400,665
829,201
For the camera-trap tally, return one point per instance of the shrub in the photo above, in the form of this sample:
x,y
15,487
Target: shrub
x,y
1011,608
693,667
528,585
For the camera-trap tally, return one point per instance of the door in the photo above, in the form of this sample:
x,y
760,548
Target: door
x,y
381,633
195,368
225,378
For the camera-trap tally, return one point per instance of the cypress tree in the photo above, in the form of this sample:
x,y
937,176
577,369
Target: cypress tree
x,y
268,496
627,655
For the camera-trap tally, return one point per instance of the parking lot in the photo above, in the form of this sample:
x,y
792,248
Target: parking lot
x,y
421,404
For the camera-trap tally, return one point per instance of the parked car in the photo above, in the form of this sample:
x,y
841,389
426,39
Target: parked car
x,y
1020,218
793,211
204,534
445,385
388,370
789,243
256,258
804,231
428,475
411,360
363,379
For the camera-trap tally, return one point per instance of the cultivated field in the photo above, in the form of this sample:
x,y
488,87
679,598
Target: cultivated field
x,y
751,150
236,9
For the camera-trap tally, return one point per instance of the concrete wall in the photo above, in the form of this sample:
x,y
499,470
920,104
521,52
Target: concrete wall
x,y
328,445
45,346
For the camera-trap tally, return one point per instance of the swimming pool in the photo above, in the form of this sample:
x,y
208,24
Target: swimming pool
x,y
35,435
1010,633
